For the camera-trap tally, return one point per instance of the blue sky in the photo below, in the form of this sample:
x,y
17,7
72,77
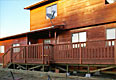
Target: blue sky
x,y
13,18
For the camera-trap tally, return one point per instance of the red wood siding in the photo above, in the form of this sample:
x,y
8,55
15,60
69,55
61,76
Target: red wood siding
x,y
64,37
8,43
93,33
74,13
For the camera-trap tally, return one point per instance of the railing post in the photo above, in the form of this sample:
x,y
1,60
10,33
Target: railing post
x,y
52,52
115,51
80,53
11,55
55,35
5,56
43,53
3,60
48,55
25,53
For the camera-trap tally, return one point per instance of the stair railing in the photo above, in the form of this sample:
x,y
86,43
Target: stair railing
x,y
7,57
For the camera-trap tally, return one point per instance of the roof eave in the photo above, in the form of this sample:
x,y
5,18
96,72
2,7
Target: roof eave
x,y
39,4
61,26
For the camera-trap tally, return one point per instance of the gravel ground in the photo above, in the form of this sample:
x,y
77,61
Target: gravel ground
x,y
28,75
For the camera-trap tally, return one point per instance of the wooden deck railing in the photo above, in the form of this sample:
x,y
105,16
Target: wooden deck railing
x,y
7,57
92,52
32,54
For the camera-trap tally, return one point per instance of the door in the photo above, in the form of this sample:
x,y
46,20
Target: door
x,y
47,51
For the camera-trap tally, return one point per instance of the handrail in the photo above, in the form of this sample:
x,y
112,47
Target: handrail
x,y
6,54
7,51
19,52
32,45
84,42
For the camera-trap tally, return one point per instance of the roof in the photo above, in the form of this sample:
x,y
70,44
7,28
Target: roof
x,y
34,31
38,4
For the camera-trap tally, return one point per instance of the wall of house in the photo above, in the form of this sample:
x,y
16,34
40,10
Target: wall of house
x,y
8,43
94,33
74,13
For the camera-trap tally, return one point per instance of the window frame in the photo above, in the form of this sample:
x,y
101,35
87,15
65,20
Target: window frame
x,y
107,33
16,50
110,42
47,41
78,37
51,10
106,2
2,49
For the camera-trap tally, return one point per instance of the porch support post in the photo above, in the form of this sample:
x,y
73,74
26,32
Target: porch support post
x,y
26,67
55,35
80,53
25,53
27,40
11,54
114,51
13,66
43,53
88,69
49,34
67,68
43,67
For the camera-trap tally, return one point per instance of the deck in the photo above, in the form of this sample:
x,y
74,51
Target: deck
x,y
91,52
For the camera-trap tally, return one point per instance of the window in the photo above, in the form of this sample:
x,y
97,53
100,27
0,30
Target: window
x,y
79,37
29,42
47,41
111,33
16,49
109,1
2,49
50,9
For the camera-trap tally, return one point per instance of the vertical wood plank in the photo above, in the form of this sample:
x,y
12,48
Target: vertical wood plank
x,y
43,53
115,52
55,35
80,53
10,55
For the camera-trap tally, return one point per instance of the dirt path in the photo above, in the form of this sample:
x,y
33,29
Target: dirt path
x,y
34,75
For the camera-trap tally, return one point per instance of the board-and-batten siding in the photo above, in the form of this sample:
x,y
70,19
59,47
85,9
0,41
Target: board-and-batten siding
x,y
74,13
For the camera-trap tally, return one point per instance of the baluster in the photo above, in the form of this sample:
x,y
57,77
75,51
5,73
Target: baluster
x,y
11,55
43,53
115,51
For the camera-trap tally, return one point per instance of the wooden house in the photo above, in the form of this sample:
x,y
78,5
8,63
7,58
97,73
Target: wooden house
x,y
82,32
